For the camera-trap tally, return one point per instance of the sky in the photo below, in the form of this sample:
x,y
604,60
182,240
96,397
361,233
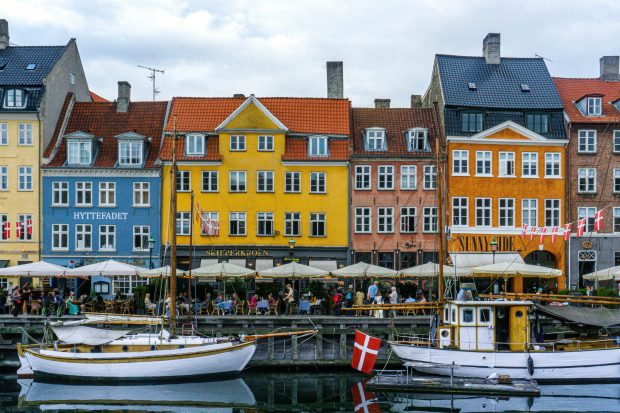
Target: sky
x,y
279,47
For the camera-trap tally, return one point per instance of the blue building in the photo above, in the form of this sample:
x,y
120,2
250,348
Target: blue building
x,y
101,186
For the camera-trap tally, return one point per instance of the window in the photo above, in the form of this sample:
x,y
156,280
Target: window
x,y
362,220
460,162
588,213
264,181
79,153
141,235
459,211
430,177
530,164
484,316
483,163
362,177
126,284
236,223
471,122
375,140
83,237
183,223
25,178
616,219
483,212
264,225
385,217
183,181
107,194
237,143
417,140
141,194
60,237
25,221
4,133
210,181
552,164
4,218
130,153
265,143
83,194
467,315
593,106
317,146
587,141
538,122
386,177
210,224
14,99
408,219
292,224
506,164
430,219
195,144
616,180
616,140
4,178
506,212
529,212
107,237
586,178
552,212
292,182
408,177
317,224
72,78
237,181
317,182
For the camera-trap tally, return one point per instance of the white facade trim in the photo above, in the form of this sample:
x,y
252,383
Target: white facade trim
x,y
252,100
314,163
97,172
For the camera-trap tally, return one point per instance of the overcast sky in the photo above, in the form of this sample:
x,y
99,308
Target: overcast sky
x,y
279,47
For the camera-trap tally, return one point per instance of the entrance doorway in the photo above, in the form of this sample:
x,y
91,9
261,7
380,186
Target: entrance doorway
x,y
542,258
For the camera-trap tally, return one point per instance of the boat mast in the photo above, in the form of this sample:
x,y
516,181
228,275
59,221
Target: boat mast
x,y
173,232
439,154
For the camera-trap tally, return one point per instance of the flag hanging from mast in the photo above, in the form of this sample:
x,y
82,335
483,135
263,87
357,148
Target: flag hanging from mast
x,y
532,232
567,229
6,230
18,229
581,227
554,234
598,220
29,226
542,234
524,231
365,352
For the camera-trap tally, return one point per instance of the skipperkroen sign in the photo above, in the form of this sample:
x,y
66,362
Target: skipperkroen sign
x,y
101,215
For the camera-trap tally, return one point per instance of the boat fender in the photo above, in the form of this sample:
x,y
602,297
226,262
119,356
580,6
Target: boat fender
x,y
242,338
530,365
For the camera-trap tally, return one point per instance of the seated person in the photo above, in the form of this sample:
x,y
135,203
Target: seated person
x,y
253,302
72,304
409,300
148,304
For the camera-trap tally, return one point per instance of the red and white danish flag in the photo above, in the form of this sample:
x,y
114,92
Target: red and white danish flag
x,y
554,234
533,231
6,230
567,229
581,227
542,234
18,229
598,220
29,226
364,401
365,352
524,230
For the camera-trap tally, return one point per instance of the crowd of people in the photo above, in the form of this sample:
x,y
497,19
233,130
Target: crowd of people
x,y
55,302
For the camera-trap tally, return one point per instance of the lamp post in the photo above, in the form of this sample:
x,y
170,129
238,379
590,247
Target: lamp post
x,y
291,246
151,242
493,246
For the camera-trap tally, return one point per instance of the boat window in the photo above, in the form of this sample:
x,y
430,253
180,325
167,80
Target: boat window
x,y
484,316
453,316
468,315
446,315
519,314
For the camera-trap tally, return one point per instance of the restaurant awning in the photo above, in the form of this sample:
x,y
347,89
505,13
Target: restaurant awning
x,y
431,269
104,268
293,270
33,269
477,259
603,275
221,270
504,269
158,272
364,270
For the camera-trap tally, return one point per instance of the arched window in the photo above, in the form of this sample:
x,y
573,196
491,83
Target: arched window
x,y
317,146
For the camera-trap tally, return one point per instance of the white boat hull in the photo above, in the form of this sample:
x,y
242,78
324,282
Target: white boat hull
x,y
596,365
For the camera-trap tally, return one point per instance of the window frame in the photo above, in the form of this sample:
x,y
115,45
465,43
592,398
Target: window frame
x,y
109,190
25,134
461,207
385,177
504,163
430,220
553,212
483,212
238,175
416,135
589,187
23,219
195,144
25,181
589,217
138,231
461,162
588,140
506,212
478,122
240,218
292,220
321,181
378,137
318,220
292,182
4,178
262,181
616,141
211,184
385,220
596,104
526,165
318,143
410,177
554,163
83,148
183,221
239,143
140,188
128,159
484,159
363,175
86,189
531,208
4,133
58,231
264,221
266,144
406,218
616,178
534,119
363,219
11,95
85,234
108,235
430,172
184,180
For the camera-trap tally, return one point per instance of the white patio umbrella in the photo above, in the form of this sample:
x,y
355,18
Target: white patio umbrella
x,y
603,275
158,272
514,268
34,269
363,270
107,268
293,270
221,270
431,269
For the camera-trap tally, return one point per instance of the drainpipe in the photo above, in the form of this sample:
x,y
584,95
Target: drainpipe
x,y
40,191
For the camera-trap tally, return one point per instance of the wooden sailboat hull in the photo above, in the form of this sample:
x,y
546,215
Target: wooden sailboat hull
x,y
558,366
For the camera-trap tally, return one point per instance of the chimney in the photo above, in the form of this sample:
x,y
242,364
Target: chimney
x,y
416,101
124,93
491,49
239,96
382,103
610,68
4,34
334,80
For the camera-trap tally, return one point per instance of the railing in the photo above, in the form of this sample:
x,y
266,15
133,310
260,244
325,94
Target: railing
x,y
582,299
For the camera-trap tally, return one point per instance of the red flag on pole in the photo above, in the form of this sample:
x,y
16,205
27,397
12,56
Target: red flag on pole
x,y
542,234
18,229
567,229
524,231
6,230
365,352
364,401
29,226
581,227
554,234
598,220
532,232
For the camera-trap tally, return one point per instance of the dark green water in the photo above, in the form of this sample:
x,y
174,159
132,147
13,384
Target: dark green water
x,y
284,392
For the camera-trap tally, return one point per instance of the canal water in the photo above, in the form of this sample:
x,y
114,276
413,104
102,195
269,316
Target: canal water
x,y
285,392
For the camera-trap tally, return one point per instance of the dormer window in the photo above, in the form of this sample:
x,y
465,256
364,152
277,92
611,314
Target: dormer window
x,y
130,152
593,106
195,144
375,140
15,98
317,146
417,140
79,152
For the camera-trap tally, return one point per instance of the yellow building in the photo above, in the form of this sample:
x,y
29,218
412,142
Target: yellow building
x,y
269,176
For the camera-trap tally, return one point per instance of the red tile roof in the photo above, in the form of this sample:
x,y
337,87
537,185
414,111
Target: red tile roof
x,y
213,150
104,122
573,89
300,115
96,98
296,150
396,121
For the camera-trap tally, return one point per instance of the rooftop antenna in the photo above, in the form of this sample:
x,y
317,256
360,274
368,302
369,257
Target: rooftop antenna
x,y
543,57
152,76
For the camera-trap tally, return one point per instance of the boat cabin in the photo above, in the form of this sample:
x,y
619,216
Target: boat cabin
x,y
485,325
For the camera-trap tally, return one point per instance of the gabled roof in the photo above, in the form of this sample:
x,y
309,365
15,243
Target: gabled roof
x,y
497,86
252,100
103,122
15,59
96,98
572,90
396,121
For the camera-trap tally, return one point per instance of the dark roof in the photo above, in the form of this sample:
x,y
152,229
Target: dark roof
x,y
573,90
104,122
15,59
497,86
396,121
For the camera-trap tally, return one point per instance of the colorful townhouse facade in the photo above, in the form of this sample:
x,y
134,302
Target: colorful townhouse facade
x,y
393,214
592,108
268,178
33,83
506,161
101,186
